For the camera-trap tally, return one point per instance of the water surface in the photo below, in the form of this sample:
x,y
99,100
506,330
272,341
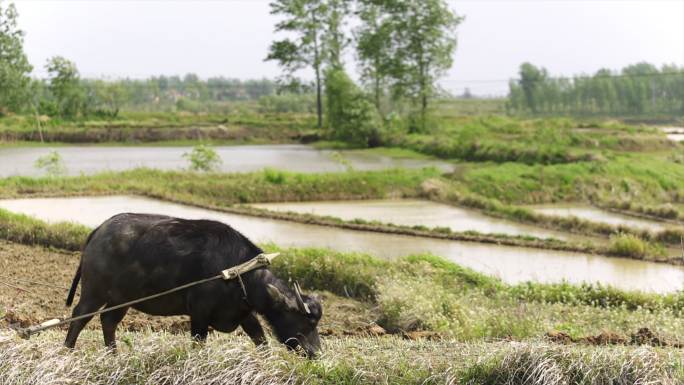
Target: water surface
x,y
675,134
300,158
512,264
598,215
412,212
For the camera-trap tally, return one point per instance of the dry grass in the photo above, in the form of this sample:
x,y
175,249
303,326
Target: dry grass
x,y
162,358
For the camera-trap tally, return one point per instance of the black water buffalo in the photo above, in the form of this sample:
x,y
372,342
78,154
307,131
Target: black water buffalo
x,y
131,256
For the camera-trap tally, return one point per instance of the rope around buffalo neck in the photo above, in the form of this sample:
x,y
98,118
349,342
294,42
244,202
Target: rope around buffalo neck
x,y
260,260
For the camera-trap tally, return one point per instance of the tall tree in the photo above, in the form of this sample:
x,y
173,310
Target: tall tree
x,y
531,81
65,86
424,41
14,66
335,39
306,21
374,47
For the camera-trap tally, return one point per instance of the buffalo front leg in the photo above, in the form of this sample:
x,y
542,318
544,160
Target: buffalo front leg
x,y
199,327
110,320
253,328
84,306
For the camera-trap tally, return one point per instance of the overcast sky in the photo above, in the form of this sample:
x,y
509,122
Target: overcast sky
x,y
230,37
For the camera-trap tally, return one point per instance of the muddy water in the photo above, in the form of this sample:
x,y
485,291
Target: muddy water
x,y
410,212
597,215
675,134
511,264
300,158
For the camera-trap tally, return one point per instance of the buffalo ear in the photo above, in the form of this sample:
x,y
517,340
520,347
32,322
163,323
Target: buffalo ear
x,y
281,299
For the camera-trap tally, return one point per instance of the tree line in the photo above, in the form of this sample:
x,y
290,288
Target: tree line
x,y
638,89
66,94
401,47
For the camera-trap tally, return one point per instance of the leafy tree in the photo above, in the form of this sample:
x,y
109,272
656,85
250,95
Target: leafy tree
x,y
305,20
374,47
106,98
335,40
14,66
65,86
531,81
423,43
350,116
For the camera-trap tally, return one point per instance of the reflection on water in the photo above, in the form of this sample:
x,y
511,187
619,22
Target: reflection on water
x,y
597,215
300,158
416,212
512,264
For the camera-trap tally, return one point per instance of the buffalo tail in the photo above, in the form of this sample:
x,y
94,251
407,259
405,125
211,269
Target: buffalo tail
x,y
74,285
77,277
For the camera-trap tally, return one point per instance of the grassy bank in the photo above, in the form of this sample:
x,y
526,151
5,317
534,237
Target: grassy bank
x,y
241,126
529,141
227,189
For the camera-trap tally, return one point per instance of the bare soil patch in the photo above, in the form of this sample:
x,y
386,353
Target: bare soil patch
x,y
643,336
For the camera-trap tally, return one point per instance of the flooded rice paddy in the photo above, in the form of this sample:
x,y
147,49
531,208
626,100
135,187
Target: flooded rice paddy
x,y
413,212
675,134
598,215
512,264
300,158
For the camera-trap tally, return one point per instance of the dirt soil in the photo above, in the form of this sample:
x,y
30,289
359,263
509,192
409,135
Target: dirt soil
x,y
24,303
643,336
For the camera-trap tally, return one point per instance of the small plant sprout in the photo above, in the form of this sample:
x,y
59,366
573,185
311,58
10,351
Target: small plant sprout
x,y
52,163
339,158
203,158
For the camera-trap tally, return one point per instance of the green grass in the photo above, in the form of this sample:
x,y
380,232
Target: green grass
x,y
30,231
225,189
528,141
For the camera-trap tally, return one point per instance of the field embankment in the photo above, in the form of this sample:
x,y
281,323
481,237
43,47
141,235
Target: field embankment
x,y
162,127
226,191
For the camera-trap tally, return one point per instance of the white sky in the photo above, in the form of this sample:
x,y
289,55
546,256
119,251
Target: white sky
x,y
231,37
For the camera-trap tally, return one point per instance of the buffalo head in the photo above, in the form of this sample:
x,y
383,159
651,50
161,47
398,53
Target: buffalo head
x,y
295,318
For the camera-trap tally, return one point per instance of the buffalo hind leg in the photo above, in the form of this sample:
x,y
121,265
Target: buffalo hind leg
x,y
75,327
253,328
110,320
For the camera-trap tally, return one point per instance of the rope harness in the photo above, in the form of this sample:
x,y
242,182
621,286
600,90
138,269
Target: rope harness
x,y
259,261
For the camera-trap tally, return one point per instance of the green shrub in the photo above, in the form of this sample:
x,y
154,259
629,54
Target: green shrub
x,y
52,164
350,116
274,176
628,245
203,158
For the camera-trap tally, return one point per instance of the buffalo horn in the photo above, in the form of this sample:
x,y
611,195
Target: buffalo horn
x,y
302,306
